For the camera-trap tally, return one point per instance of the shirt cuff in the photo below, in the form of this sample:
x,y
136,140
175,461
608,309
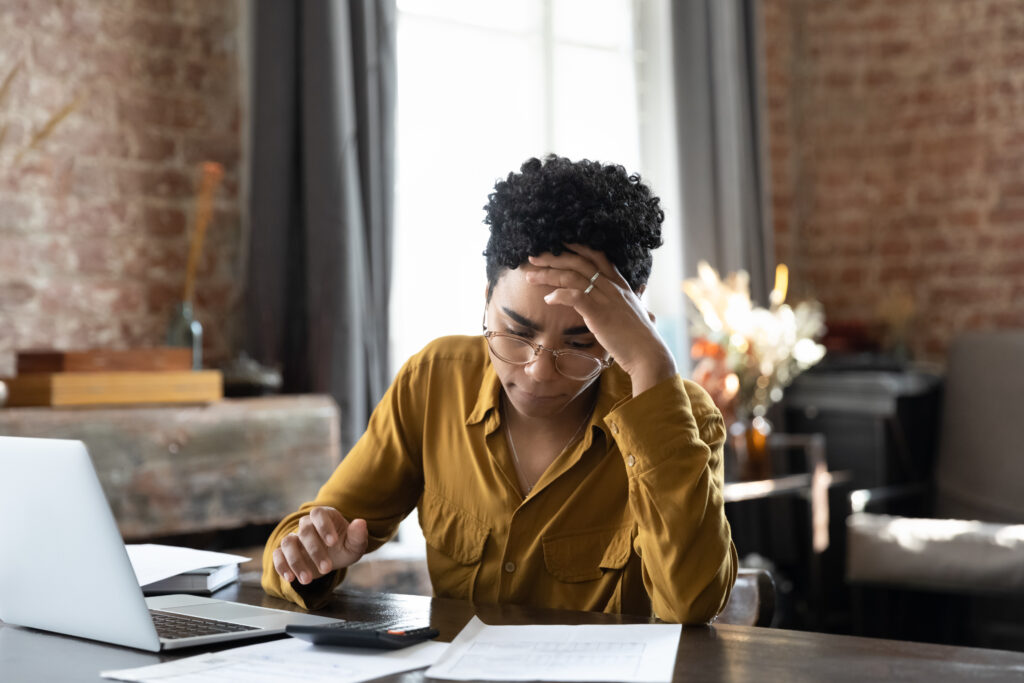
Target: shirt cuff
x,y
313,595
317,593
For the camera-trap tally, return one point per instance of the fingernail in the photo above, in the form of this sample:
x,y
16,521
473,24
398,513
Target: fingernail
x,y
325,566
304,577
329,539
288,577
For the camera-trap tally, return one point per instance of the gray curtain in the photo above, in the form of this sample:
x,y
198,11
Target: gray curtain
x,y
716,57
321,212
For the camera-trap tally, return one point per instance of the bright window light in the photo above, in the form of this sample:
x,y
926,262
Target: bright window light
x,y
482,86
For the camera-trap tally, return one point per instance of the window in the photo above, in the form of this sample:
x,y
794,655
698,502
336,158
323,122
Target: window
x,y
482,86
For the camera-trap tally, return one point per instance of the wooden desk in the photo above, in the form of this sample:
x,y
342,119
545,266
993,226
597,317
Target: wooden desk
x,y
706,653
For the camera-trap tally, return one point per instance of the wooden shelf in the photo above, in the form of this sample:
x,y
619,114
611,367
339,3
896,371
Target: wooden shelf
x,y
186,469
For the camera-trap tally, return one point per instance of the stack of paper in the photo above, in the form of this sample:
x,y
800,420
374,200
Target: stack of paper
x,y
639,653
285,660
164,569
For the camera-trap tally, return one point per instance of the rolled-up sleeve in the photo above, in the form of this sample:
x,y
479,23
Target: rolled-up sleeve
x,y
379,480
671,438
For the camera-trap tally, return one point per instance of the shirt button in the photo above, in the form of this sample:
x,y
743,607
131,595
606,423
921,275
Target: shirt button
x,y
631,460
510,567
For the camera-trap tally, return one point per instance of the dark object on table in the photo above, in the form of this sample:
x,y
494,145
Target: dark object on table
x,y
245,377
362,634
879,422
752,602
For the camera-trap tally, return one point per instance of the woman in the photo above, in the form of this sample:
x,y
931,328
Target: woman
x,y
559,460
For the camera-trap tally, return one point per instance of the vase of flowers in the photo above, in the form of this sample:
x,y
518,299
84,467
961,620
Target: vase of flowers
x,y
746,355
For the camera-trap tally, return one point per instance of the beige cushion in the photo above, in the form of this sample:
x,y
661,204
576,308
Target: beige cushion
x,y
940,554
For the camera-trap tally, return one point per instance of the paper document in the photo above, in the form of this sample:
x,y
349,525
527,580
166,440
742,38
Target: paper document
x,y
289,659
620,652
153,562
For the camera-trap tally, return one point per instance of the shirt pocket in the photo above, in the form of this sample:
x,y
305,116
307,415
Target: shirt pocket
x,y
455,546
587,555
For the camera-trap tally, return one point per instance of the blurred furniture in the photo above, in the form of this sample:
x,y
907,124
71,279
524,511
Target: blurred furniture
x,y
879,420
720,652
784,522
962,532
181,470
810,479
879,417
752,602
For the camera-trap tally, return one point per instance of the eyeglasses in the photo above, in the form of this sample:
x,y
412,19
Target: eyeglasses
x,y
519,351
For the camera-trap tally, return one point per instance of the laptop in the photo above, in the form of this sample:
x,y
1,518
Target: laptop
x,y
64,567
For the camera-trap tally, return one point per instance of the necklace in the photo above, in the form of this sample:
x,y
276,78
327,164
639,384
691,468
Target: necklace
x,y
515,456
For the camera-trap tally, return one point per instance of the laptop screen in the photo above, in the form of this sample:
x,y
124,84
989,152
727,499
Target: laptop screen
x,y
65,568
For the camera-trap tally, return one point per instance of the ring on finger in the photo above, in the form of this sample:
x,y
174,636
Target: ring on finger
x,y
593,279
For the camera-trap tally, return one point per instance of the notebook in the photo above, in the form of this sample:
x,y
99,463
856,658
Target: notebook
x,y
64,566
198,581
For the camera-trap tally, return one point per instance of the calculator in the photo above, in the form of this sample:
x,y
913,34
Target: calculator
x,y
363,634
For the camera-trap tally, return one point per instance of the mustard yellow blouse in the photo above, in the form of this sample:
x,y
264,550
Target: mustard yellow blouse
x,y
629,521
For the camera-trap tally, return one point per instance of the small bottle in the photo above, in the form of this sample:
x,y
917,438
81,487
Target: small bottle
x,y
185,330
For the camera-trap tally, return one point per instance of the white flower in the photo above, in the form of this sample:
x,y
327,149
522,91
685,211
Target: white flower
x,y
765,348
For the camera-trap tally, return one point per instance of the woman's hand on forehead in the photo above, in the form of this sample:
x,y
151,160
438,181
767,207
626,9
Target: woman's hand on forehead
x,y
587,281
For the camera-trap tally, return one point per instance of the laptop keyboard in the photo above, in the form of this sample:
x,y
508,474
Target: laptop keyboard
x,y
175,626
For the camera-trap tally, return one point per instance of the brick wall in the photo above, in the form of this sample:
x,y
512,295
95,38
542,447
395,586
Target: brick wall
x,y
896,133
94,223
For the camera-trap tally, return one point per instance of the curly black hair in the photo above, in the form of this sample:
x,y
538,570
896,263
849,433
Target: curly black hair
x,y
556,201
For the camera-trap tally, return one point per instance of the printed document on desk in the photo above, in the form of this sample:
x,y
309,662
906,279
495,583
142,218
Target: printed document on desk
x,y
636,653
290,660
